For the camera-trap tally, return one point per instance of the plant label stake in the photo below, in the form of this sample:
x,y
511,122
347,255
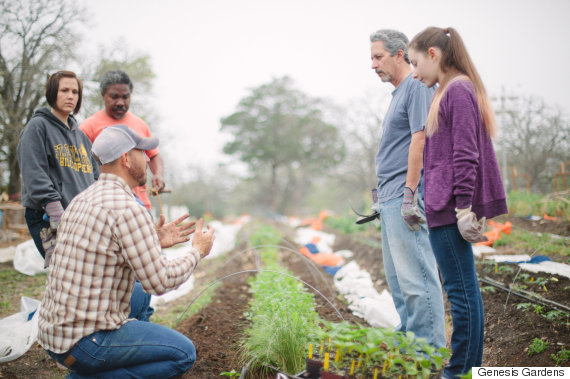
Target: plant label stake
x,y
326,364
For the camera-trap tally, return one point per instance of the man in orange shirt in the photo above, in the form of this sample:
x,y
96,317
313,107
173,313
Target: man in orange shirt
x,y
116,89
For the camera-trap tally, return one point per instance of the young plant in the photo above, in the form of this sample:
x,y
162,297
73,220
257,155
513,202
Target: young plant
x,y
231,374
281,312
561,357
488,289
537,346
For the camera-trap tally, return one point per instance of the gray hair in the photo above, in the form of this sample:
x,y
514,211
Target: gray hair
x,y
115,77
393,41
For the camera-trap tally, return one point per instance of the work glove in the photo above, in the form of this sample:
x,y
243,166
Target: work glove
x,y
471,229
410,211
54,211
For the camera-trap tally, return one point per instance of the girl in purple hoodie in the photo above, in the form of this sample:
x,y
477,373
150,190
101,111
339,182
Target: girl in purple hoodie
x,y
463,184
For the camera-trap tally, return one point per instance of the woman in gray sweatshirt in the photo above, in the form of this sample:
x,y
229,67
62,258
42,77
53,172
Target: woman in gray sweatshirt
x,y
55,158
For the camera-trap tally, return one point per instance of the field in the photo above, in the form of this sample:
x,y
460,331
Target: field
x,y
532,331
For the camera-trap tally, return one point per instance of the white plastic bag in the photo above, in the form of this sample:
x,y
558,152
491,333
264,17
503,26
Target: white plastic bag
x,y
28,259
17,333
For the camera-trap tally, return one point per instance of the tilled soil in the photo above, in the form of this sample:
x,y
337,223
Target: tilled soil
x,y
216,329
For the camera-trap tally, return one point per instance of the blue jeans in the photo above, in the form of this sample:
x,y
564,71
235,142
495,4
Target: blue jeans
x,y
138,349
35,221
411,273
455,259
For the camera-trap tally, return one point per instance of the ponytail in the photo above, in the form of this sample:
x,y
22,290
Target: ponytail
x,y
454,55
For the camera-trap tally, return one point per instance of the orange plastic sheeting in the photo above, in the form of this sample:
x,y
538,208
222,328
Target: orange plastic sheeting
x,y
495,233
323,259
315,223
547,217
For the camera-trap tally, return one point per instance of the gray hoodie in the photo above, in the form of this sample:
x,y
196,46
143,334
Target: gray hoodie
x,y
55,161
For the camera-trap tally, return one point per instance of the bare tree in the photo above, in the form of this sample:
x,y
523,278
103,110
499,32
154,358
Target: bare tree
x,y
356,176
534,137
35,38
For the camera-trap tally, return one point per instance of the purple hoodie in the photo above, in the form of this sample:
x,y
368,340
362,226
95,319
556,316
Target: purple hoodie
x,y
460,166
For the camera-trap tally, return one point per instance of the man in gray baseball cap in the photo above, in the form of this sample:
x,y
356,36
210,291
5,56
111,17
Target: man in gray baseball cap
x,y
88,321
116,140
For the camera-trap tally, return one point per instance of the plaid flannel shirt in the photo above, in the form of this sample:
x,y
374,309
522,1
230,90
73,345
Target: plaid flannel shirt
x,y
104,241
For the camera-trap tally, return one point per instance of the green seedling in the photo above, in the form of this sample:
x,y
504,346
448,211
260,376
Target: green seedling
x,y
230,374
524,306
555,314
503,269
536,347
488,289
563,356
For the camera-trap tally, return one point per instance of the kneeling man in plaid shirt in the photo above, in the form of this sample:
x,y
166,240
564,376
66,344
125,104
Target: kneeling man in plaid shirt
x,y
106,241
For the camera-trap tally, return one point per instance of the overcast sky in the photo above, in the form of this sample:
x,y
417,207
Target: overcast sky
x,y
206,54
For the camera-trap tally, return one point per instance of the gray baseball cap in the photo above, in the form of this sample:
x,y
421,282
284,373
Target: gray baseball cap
x,y
116,140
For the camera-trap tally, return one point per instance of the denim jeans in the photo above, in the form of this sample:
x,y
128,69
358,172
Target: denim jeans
x,y
138,349
455,259
411,273
35,221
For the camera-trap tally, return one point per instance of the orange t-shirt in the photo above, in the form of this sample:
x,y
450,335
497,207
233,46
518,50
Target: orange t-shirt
x,y
94,125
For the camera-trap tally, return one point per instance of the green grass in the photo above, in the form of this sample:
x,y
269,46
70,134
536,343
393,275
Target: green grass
x,y
14,285
522,203
171,318
528,242
346,224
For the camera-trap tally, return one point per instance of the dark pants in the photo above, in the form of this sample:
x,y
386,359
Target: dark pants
x,y
35,221
455,260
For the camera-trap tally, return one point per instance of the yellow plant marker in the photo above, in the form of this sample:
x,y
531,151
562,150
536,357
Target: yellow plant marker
x,y
384,368
310,351
337,356
359,360
375,373
321,348
532,279
326,363
329,345
351,368
496,268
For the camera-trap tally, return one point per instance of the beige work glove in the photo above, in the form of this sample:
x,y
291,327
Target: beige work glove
x,y
471,229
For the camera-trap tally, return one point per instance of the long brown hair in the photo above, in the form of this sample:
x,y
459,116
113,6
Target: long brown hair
x,y
454,56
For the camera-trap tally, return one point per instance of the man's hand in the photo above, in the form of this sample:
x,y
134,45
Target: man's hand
x,y
471,229
157,183
174,232
203,240
410,211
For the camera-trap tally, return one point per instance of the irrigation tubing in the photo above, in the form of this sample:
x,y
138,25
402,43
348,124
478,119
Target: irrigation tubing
x,y
313,266
256,271
519,271
542,301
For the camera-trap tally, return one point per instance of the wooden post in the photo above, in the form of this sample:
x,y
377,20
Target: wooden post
x,y
514,179
527,183
563,175
554,183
